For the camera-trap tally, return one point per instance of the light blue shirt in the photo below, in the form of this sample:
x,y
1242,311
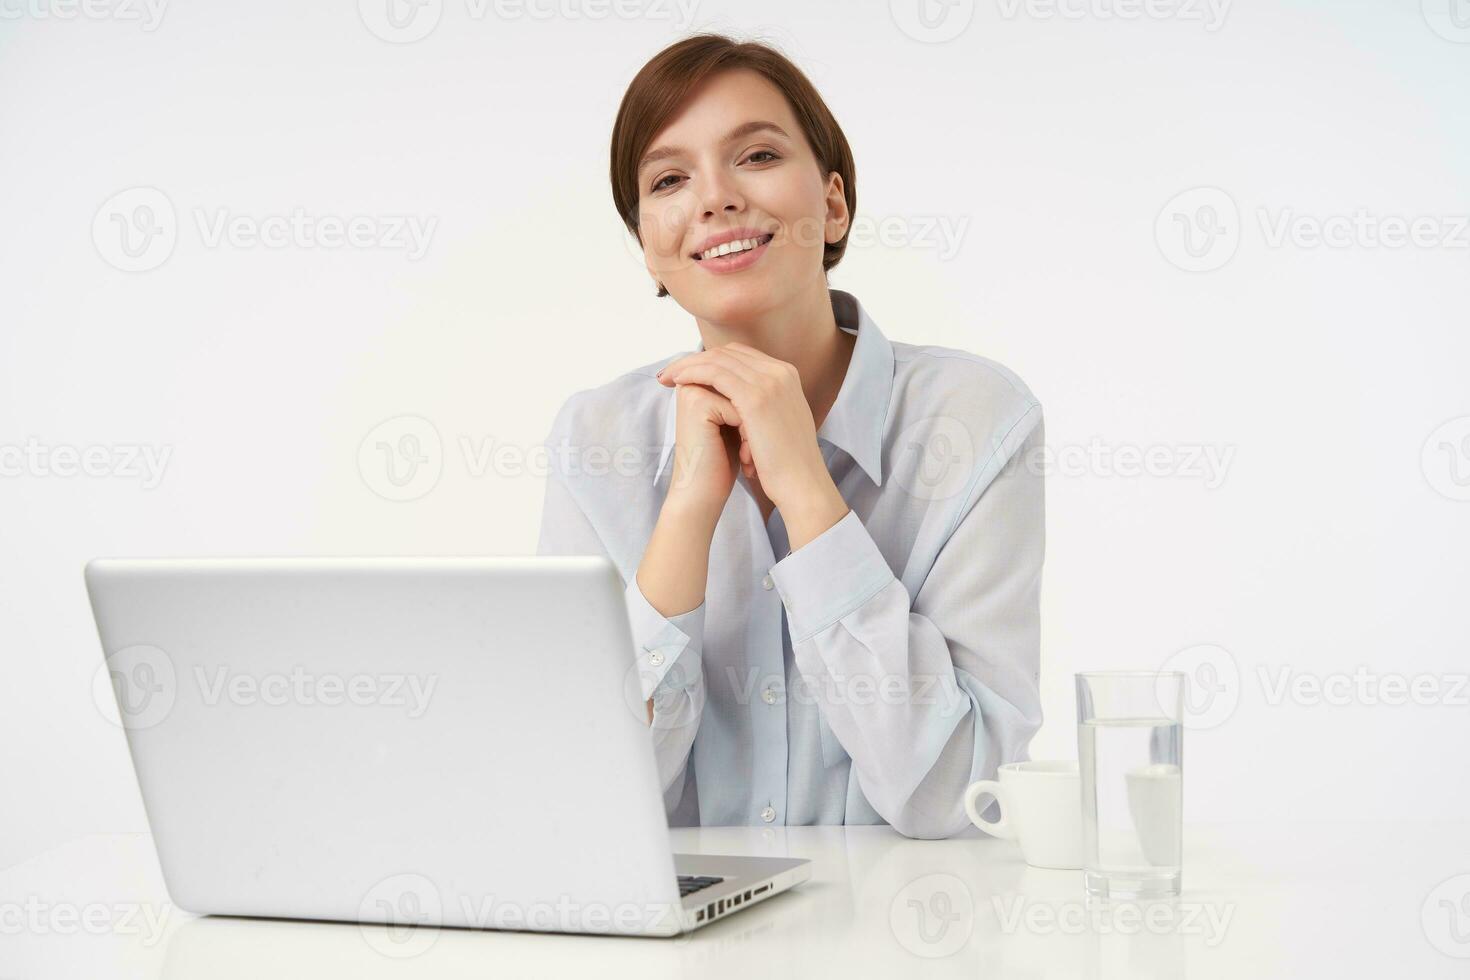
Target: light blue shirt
x,y
872,674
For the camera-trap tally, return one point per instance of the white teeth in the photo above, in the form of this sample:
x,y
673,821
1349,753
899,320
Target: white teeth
x,y
728,247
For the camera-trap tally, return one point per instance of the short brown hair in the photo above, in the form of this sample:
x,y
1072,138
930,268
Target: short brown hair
x,y
661,86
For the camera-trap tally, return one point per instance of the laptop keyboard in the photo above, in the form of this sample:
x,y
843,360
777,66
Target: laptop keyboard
x,y
689,884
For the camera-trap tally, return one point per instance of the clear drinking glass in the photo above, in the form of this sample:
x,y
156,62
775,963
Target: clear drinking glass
x,y
1130,752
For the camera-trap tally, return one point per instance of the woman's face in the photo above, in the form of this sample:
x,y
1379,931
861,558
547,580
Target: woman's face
x,y
698,183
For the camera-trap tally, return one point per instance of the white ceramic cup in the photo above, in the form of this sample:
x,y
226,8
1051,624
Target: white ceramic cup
x,y
1040,809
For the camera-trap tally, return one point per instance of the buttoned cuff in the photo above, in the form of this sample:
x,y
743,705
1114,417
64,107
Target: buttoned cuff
x,y
667,648
830,576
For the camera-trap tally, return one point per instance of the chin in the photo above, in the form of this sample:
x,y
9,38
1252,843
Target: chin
x,y
731,303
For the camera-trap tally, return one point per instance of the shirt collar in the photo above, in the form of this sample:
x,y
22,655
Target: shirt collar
x,y
858,417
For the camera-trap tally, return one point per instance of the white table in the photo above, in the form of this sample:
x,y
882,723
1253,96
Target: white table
x,y
1294,900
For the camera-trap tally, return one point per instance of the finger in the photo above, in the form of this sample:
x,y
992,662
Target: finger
x,y
725,411
719,408
717,355
716,376
757,360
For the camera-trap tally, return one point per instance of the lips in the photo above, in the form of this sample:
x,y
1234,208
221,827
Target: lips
x,y
734,262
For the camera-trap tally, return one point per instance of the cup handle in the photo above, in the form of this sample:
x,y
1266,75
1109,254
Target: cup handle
x,y
998,828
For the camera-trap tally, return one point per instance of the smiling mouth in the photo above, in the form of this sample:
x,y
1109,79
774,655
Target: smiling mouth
x,y
735,248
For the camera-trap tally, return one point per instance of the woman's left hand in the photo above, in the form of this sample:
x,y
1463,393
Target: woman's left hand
x,y
778,433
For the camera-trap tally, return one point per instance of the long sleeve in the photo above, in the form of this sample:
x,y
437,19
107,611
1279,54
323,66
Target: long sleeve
x,y
668,649
931,692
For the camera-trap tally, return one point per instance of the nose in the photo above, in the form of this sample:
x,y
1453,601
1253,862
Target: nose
x,y
720,193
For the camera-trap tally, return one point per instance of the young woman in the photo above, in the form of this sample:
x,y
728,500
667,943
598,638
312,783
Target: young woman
x,y
833,554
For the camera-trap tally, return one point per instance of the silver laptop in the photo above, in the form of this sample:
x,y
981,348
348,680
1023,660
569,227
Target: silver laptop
x,y
432,742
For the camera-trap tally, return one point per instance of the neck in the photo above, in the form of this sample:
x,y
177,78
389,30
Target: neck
x,y
804,333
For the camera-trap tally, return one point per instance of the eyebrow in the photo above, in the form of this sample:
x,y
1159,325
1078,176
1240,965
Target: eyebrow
x,y
744,129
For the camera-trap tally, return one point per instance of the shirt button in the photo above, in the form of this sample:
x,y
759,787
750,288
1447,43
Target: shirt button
x,y
769,695
656,658
767,584
768,814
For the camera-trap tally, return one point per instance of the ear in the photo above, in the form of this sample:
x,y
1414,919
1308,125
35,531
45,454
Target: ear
x,y
837,217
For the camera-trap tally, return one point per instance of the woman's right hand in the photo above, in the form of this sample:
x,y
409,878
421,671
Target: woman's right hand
x,y
707,449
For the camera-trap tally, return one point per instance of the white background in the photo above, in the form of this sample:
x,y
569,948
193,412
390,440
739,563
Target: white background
x,y
1052,146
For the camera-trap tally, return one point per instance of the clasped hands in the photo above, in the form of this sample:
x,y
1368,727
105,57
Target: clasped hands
x,y
778,447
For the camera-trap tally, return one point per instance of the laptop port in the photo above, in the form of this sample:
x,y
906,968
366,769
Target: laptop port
x,y
745,897
762,888
700,916
720,906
